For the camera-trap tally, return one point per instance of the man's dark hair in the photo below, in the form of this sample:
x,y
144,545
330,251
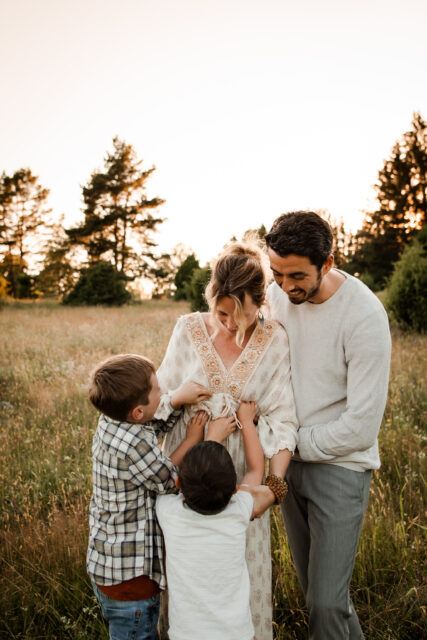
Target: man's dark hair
x,y
303,233
208,478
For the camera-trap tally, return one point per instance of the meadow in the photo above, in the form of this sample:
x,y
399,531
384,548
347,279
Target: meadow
x,y
46,428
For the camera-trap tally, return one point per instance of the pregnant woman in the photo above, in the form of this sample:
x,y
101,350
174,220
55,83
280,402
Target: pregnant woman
x,y
239,356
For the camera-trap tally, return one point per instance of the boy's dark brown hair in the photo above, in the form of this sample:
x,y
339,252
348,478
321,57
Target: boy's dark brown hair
x,y
207,477
121,383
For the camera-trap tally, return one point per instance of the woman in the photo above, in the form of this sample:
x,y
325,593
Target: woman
x,y
239,356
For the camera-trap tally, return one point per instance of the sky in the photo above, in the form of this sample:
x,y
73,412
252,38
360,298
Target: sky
x,y
246,108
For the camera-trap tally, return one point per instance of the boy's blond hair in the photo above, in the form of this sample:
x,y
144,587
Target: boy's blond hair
x,y
121,383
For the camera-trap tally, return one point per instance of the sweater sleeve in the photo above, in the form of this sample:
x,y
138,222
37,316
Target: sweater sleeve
x,y
367,355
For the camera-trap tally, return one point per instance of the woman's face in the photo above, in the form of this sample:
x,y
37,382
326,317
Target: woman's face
x,y
225,310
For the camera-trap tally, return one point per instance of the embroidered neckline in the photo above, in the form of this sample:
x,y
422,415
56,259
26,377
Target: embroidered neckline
x,y
221,379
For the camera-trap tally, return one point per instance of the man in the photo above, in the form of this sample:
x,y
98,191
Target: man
x,y
340,358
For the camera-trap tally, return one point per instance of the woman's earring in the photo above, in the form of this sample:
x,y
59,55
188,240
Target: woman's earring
x,y
261,318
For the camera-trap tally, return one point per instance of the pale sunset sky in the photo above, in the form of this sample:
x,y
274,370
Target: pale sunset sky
x,y
247,108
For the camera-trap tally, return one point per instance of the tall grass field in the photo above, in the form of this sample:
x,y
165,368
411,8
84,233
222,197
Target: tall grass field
x,y
47,424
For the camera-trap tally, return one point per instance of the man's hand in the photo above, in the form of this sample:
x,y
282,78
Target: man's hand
x,y
189,393
221,428
246,412
263,499
196,427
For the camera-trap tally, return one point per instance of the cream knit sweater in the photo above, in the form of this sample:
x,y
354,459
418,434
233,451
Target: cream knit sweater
x,y
340,360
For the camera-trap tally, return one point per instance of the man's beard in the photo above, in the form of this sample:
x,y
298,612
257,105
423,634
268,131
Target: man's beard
x,y
308,295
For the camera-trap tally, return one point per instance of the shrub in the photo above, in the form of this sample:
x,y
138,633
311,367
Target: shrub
x,y
100,284
368,279
3,287
407,291
25,286
183,276
195,289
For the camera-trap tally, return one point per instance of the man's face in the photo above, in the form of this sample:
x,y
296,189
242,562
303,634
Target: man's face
x,y
296,276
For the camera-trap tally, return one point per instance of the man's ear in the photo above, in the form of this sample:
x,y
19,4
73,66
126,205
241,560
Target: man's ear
x,y
328,264
177,483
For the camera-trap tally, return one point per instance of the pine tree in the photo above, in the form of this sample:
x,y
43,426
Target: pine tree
x,y
401,192
162,275
57,275
23,212
117,212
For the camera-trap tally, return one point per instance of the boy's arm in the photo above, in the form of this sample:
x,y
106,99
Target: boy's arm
x,y
150,467
262,495
189,393
253,450
155,471
263,498
171,405
194,434
166,415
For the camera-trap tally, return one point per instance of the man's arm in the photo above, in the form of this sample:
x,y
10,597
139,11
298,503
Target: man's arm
x,y
368,360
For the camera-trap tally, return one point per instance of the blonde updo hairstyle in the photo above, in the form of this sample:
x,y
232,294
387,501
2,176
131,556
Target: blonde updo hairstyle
x,y
240,269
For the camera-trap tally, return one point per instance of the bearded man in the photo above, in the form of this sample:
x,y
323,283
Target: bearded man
x,y
340,358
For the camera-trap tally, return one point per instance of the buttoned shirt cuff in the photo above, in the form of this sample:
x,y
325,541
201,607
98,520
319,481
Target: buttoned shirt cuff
x,y
165,408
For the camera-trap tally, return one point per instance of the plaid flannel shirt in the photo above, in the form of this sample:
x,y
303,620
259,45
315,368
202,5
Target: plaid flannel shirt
x,y
129,470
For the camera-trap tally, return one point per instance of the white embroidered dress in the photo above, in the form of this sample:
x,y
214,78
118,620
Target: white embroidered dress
x,y
261,374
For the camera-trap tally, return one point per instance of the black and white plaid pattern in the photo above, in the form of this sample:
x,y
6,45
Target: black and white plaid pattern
x,y
129,470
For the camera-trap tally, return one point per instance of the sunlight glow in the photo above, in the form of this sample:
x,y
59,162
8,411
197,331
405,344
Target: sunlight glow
x,y
246,109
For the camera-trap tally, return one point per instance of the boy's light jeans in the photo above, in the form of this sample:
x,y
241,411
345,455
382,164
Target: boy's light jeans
x,y
136,619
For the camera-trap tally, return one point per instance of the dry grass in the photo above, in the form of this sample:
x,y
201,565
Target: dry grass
x,y
46,354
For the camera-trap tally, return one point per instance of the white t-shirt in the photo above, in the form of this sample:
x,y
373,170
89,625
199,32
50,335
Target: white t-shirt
x,y
206,569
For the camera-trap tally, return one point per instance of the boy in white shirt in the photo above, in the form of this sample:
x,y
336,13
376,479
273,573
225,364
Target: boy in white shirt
x,y
204,528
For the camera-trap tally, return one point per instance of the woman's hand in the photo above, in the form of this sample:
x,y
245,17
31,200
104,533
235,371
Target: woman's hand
x,y
189,393
221,428
196,427
246,412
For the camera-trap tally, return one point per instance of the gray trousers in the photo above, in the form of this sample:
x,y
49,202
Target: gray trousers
x,y
323,514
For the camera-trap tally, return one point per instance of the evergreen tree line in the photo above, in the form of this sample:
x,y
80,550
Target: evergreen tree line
x,y
94,261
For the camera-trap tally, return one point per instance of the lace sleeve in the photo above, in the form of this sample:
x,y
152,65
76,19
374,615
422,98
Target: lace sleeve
x,y
277,425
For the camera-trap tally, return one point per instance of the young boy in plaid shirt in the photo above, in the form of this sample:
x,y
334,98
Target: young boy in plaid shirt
x,y
125,554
